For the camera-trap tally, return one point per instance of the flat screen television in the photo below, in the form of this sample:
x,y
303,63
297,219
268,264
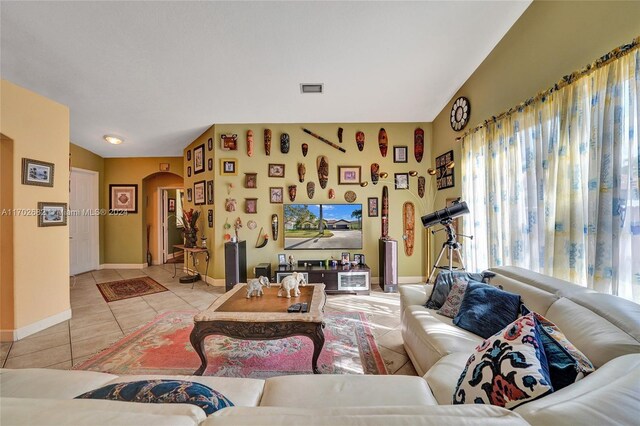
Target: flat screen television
x,y
322,226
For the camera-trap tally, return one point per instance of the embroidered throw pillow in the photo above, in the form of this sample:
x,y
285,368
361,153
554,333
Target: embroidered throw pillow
x,y
162,391
443,284
507,370
454,299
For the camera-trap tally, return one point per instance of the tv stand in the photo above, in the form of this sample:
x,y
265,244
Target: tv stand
x,y
337,279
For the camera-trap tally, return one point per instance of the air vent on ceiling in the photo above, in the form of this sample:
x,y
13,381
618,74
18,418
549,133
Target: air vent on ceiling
x,y
312,88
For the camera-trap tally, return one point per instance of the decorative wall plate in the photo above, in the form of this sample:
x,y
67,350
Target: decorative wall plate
x,y
252,224
460,112
350,196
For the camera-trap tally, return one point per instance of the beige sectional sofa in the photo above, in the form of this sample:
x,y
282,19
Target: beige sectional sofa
x,y
605,328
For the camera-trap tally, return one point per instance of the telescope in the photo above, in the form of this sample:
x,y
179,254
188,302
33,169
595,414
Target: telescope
x,y
446,214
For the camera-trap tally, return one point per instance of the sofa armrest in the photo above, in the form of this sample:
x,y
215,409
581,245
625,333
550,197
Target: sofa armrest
x,y
414,294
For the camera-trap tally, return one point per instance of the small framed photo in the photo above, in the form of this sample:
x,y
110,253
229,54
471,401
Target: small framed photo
x,y
210,144
52,214
400,154
229,142
39,173
345,258
402,180
210,218
198,159
250,180
228,166
275,194
251,205
189,195
372,204
199,193
165,167
276,170
282,259
188,171
209,192
360,259
210,164
171,205
188,155
123,198
349,175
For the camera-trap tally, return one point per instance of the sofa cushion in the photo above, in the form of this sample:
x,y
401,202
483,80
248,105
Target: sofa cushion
x,y
162,392
428,337
507,370
536,298
485,309
451,306
443,377
49,383
443,284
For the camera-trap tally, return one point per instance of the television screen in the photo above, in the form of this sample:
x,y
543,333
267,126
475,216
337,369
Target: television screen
x,y
322,226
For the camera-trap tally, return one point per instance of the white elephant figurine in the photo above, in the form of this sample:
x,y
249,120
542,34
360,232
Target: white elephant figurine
x,y
254,286
291,282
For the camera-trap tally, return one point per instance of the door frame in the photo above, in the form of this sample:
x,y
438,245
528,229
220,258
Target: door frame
x,y
162,232
95,226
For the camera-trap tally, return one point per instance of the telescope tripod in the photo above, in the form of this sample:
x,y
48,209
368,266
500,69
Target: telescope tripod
x,y
451,246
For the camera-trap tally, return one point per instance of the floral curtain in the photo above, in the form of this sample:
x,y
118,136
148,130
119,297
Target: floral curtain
x,y
554,185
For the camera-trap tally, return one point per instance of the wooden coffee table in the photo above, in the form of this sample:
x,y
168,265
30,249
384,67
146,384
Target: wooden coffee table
x,y
261,318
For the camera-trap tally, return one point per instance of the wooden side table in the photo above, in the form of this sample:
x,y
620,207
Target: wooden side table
x,y
191,251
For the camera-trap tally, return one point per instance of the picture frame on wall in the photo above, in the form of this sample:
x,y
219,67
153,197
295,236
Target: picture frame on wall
x,y
276,170
372,204
35,172
401,180
228,166
188,155
171,205
188,171
229,142
52,214
165,167
198,159
210,218
210,144
123,198
250,180
210,164
251,205
445,171
400,154
189,195
276,195
349,175
209,192
199,193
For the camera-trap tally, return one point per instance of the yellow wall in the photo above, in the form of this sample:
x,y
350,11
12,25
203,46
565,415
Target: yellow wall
x,y
6,234
398,133
550,40
151,185
85,159
125,236
39,128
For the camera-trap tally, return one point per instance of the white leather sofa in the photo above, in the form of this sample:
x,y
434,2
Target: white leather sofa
x,y
605,328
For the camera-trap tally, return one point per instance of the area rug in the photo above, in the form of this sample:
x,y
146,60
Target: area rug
x,y
162,347
125,289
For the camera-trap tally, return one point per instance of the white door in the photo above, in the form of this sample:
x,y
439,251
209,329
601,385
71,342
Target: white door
x,y
83,221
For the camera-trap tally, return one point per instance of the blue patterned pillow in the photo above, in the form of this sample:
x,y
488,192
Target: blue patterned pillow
x,y
443,284
162,391
507,370
485,309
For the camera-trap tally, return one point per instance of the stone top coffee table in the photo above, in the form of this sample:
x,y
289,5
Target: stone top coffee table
x,y
261,318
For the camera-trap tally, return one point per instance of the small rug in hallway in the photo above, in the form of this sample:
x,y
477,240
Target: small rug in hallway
x,y
125,289
162,347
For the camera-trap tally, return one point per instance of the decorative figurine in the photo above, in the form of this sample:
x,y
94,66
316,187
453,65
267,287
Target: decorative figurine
x,y
292,260
254,286
284,143
323,170
301,171
267,141
230,204
293,189
311,189
237,225
383,142
250,142
305,149
360,140
203,244
291,282
375,170
422,183
418,144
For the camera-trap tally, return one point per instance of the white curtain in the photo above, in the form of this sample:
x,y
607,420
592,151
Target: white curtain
x,y
555,185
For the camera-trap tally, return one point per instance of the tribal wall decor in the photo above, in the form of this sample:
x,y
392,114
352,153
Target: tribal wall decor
x,y
323,170
250,143
267,141
360,140
418,144
284,143
383,142
229,142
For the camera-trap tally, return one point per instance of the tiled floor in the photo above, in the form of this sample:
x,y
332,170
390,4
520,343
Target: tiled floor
x,y
95,324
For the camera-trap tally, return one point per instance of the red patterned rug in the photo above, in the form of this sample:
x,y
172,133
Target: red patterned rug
x,y
125,289
162,347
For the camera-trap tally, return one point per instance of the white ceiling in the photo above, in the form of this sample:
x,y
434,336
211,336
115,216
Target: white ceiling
x,y
160,73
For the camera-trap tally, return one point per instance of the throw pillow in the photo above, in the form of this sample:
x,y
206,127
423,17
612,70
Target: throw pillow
x,y
485,309
444,282
454,299
162,391
507,370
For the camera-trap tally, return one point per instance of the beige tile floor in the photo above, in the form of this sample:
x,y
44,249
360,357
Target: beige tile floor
x,y
96,324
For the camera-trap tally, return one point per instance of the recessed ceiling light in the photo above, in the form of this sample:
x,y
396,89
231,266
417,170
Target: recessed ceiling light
x,y
311,88
113,139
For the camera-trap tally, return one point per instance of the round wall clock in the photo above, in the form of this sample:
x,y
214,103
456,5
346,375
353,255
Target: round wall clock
x,y
460,112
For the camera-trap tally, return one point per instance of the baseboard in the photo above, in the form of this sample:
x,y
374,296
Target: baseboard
x,y
21,333
123,266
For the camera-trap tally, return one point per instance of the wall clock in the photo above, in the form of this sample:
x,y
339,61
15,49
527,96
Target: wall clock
x,y
460,112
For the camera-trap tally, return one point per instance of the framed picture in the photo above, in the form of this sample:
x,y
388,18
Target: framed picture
x,y
345,258
209,192
171,205
275,195
402,180
282,259
400,154
276,170
199,193
444,171
210,144
361,260
372,203
189,194
165,167
210,218
39,173
210,164
52,214
188,155
228,166
251,205
123,198
229,142
198,159
349,175
188,171
250,180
